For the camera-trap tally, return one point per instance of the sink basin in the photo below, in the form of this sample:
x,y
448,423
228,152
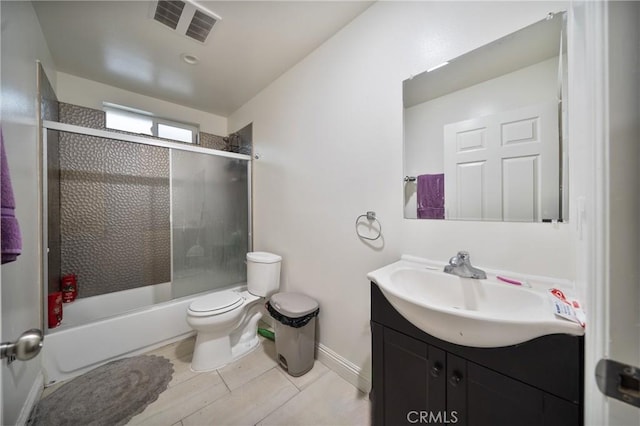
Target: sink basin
x,y
469,312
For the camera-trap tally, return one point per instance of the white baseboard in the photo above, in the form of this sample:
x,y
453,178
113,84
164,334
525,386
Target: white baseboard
x,y
32,399
344,368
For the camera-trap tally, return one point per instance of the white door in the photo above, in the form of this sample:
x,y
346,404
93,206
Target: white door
x,y
504,166
616,298
624,223
605,199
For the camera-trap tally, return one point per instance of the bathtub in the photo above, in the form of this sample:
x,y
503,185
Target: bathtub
x,y
92,333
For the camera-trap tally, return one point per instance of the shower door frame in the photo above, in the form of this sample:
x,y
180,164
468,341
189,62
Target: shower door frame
x,y
87,131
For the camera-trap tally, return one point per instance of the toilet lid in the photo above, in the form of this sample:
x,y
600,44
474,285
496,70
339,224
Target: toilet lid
x,y
218,302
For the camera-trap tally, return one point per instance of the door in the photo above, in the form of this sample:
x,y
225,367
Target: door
x,y
621,316
603,119
504,166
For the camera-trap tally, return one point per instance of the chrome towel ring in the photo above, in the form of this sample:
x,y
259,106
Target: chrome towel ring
x,y
371,217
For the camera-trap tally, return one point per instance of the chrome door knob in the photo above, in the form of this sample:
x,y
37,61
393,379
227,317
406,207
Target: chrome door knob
x,y
25,348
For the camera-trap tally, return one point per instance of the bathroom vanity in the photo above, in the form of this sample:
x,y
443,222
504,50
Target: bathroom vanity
x,y
420,379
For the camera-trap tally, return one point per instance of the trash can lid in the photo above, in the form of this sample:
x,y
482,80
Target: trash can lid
x,y
263,257
293,305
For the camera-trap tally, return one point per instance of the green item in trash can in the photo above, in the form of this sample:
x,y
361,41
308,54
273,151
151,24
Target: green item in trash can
x,y
267,333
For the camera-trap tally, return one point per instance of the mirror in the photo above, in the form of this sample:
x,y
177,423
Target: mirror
x,y
485,133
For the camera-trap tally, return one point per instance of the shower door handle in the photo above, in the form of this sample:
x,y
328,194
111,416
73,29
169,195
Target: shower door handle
x,y
25,348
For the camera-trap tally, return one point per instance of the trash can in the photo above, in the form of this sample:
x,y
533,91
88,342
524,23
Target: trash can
x,y
295,330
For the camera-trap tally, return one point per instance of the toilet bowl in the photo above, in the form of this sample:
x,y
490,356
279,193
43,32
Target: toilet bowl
x,y
226,322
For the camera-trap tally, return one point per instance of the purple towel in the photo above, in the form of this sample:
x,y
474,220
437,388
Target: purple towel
x,y
431,196
11,245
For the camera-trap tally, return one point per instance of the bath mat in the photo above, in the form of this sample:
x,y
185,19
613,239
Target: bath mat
x,y
109,395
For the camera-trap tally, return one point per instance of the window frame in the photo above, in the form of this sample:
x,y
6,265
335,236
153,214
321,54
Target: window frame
x,y
108,107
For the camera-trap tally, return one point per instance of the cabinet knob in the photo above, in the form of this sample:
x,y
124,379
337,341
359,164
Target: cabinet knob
x,y
436,369
455,378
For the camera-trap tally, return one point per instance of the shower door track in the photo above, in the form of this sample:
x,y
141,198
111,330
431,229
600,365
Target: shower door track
x,y
70,128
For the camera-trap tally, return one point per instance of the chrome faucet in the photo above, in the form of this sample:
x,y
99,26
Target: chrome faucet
x,y
460,265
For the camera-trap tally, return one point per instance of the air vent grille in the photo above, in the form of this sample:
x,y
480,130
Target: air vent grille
x,y
168,13
200,26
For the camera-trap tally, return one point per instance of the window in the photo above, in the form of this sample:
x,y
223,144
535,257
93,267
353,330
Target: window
x,y
176,131
128,121
142,122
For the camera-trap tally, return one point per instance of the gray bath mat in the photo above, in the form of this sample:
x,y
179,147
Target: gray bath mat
x,y
109,395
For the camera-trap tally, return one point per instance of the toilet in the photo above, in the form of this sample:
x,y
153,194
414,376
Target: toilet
x,y
226,322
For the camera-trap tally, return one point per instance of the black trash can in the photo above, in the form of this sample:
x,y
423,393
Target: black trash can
x,y
295,330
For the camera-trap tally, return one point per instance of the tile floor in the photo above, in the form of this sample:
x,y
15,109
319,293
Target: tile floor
x,y
253,391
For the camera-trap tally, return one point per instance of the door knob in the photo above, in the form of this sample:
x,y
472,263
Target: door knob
x,y
25,348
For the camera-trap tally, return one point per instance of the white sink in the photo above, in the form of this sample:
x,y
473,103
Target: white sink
x,y
470,312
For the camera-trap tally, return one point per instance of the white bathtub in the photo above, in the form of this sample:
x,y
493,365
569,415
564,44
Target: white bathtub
x,y
93,331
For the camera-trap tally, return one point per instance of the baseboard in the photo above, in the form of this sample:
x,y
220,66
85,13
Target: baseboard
x,y
32,399
344,368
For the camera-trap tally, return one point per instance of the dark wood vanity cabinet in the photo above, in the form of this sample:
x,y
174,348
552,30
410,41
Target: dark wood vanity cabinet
x,y
419,379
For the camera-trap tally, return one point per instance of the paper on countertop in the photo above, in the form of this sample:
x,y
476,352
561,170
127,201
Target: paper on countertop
x,y
565,308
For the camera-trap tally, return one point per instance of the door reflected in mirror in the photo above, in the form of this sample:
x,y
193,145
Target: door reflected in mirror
x,y
485,134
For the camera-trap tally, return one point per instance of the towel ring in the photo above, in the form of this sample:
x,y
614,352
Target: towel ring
x,y
371,216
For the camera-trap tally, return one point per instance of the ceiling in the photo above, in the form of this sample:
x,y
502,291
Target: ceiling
x,y
119,44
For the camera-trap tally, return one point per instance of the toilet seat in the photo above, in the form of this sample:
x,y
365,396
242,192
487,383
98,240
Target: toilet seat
x,y
216,303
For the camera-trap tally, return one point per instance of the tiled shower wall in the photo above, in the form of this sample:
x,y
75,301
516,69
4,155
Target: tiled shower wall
x,y
114,206
114,209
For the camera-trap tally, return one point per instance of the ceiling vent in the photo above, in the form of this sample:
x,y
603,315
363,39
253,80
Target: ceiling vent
x,y
169,12
185,17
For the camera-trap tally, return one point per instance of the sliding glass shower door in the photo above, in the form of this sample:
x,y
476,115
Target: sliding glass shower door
x,y
136,221
210,221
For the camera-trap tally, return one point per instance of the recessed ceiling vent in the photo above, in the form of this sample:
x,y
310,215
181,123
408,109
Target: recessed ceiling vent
x,y
200,26
169,12
185,17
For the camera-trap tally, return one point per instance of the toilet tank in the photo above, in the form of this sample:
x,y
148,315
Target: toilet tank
x,y
263,273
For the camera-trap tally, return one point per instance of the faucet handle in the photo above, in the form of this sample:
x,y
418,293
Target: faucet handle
x,y
459,258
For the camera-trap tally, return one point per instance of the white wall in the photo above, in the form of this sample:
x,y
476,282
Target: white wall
x,y
22,44
90,94
329,132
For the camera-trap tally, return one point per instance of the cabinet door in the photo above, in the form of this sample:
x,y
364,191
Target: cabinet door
x,y
413,380
560,412
495,400
405,377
